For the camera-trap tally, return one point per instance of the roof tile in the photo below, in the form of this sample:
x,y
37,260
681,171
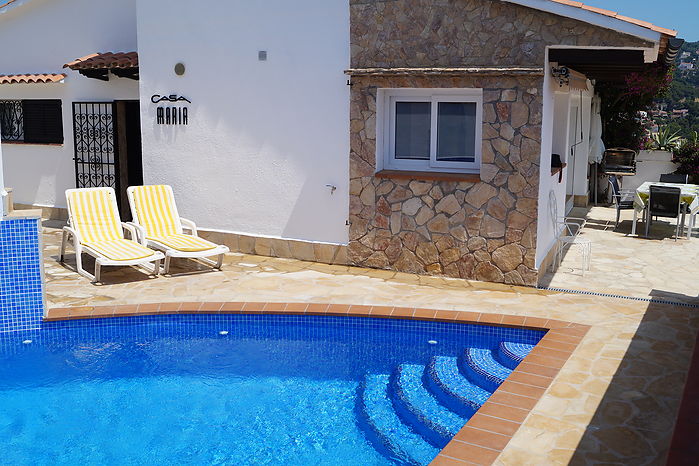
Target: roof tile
x,y
104,60
615,15
31,78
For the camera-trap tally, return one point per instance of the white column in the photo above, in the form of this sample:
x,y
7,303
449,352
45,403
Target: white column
x,y
2,185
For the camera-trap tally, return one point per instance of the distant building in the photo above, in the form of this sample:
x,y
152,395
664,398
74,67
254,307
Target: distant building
x,y
682,112
686,66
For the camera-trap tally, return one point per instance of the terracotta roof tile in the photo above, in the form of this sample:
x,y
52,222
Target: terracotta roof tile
x,y
3,5
31,78
104,60
614,14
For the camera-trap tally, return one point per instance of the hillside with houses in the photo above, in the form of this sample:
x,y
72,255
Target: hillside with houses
x,y
679,109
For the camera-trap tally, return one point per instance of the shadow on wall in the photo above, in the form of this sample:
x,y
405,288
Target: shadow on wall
x,y
634,420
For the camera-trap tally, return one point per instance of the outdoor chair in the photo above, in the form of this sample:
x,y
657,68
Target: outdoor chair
x,y
622,199
159,226
666,202
567,231
96,229
673,178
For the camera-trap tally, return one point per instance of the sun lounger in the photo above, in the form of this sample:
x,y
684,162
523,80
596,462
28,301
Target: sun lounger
x,y
160,226
96,229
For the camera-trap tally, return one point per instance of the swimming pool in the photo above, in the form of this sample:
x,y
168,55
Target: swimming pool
x,y
236,389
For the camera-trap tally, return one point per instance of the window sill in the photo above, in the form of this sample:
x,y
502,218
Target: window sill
x,y
429,175
22,143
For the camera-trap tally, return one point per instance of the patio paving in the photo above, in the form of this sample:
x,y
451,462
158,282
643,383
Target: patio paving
x,y
614,401
657,267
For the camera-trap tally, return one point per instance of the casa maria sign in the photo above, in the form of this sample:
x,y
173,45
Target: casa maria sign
x,y
171,110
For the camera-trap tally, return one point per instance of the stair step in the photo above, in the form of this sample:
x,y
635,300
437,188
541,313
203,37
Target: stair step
x,y
453,389
511,353
484,369
387,429
420,408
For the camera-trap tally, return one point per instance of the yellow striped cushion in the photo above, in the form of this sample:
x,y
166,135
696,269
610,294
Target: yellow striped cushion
x,y
120,249
155,209
184,243
94,215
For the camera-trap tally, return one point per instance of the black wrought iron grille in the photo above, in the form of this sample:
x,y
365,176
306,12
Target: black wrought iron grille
x,y
11,120
95,145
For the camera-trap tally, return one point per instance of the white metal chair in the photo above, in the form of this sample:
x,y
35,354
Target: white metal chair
x,y
567,231
96,229
160,226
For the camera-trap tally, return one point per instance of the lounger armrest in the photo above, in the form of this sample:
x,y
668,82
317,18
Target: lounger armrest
x,y
73,233
189,225
140,232
137,232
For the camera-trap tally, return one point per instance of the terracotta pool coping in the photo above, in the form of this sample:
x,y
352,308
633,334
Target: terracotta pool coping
x,y
488,431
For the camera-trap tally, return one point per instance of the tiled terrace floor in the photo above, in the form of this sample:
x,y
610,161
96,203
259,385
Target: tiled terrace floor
x,y
614,401
657,267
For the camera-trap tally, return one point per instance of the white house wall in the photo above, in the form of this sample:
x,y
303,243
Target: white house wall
x,y
39,37
554,134
264,138
557,102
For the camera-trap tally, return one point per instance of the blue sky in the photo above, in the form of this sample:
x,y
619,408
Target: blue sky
x,y
681,15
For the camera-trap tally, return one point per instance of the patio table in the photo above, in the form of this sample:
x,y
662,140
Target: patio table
x,y
689,196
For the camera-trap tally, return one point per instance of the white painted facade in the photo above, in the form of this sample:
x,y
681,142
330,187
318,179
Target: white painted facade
x,y
265,138
566,118
60,31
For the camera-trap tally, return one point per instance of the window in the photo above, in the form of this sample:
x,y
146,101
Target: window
x,y
430,129
31,121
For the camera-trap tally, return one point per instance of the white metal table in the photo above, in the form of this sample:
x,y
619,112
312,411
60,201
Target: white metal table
x,y
690,197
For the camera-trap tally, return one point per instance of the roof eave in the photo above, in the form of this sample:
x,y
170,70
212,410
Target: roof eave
x,y
594,16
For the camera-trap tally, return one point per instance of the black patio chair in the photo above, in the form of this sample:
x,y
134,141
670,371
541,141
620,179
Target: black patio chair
x,y
673,178
666,202
622,199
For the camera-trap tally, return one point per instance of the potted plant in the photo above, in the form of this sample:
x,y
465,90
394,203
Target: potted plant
x,y
687,158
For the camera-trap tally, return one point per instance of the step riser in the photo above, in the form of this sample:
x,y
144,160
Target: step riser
x,y
470,369
384,428
429,430
506,360
380,442
463,407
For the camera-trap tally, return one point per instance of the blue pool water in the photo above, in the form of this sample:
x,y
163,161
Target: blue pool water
x,y
273,390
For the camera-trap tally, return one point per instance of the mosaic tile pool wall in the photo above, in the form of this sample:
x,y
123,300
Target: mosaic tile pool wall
x,y
21,274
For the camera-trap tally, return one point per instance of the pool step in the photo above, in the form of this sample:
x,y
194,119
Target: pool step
x,y
510,354
482,368
420,409
385,427
453,390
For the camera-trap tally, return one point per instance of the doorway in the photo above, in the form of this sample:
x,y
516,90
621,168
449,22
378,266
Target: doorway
x,y
107,152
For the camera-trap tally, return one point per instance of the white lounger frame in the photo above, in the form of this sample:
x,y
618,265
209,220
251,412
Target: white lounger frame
x,y
100,259
185,224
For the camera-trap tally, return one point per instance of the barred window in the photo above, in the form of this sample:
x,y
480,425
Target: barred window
x,y
37,121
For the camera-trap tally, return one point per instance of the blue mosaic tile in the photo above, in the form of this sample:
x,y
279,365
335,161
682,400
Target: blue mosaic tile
x,y
485,370
511,354
21,284
421,409
454,390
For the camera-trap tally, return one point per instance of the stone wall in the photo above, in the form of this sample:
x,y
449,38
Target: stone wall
x,y
484,230
428,33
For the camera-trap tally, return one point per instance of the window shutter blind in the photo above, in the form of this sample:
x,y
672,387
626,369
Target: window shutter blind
x,y
43,121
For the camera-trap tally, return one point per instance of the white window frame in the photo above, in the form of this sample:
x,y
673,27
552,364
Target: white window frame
x,y
386,130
